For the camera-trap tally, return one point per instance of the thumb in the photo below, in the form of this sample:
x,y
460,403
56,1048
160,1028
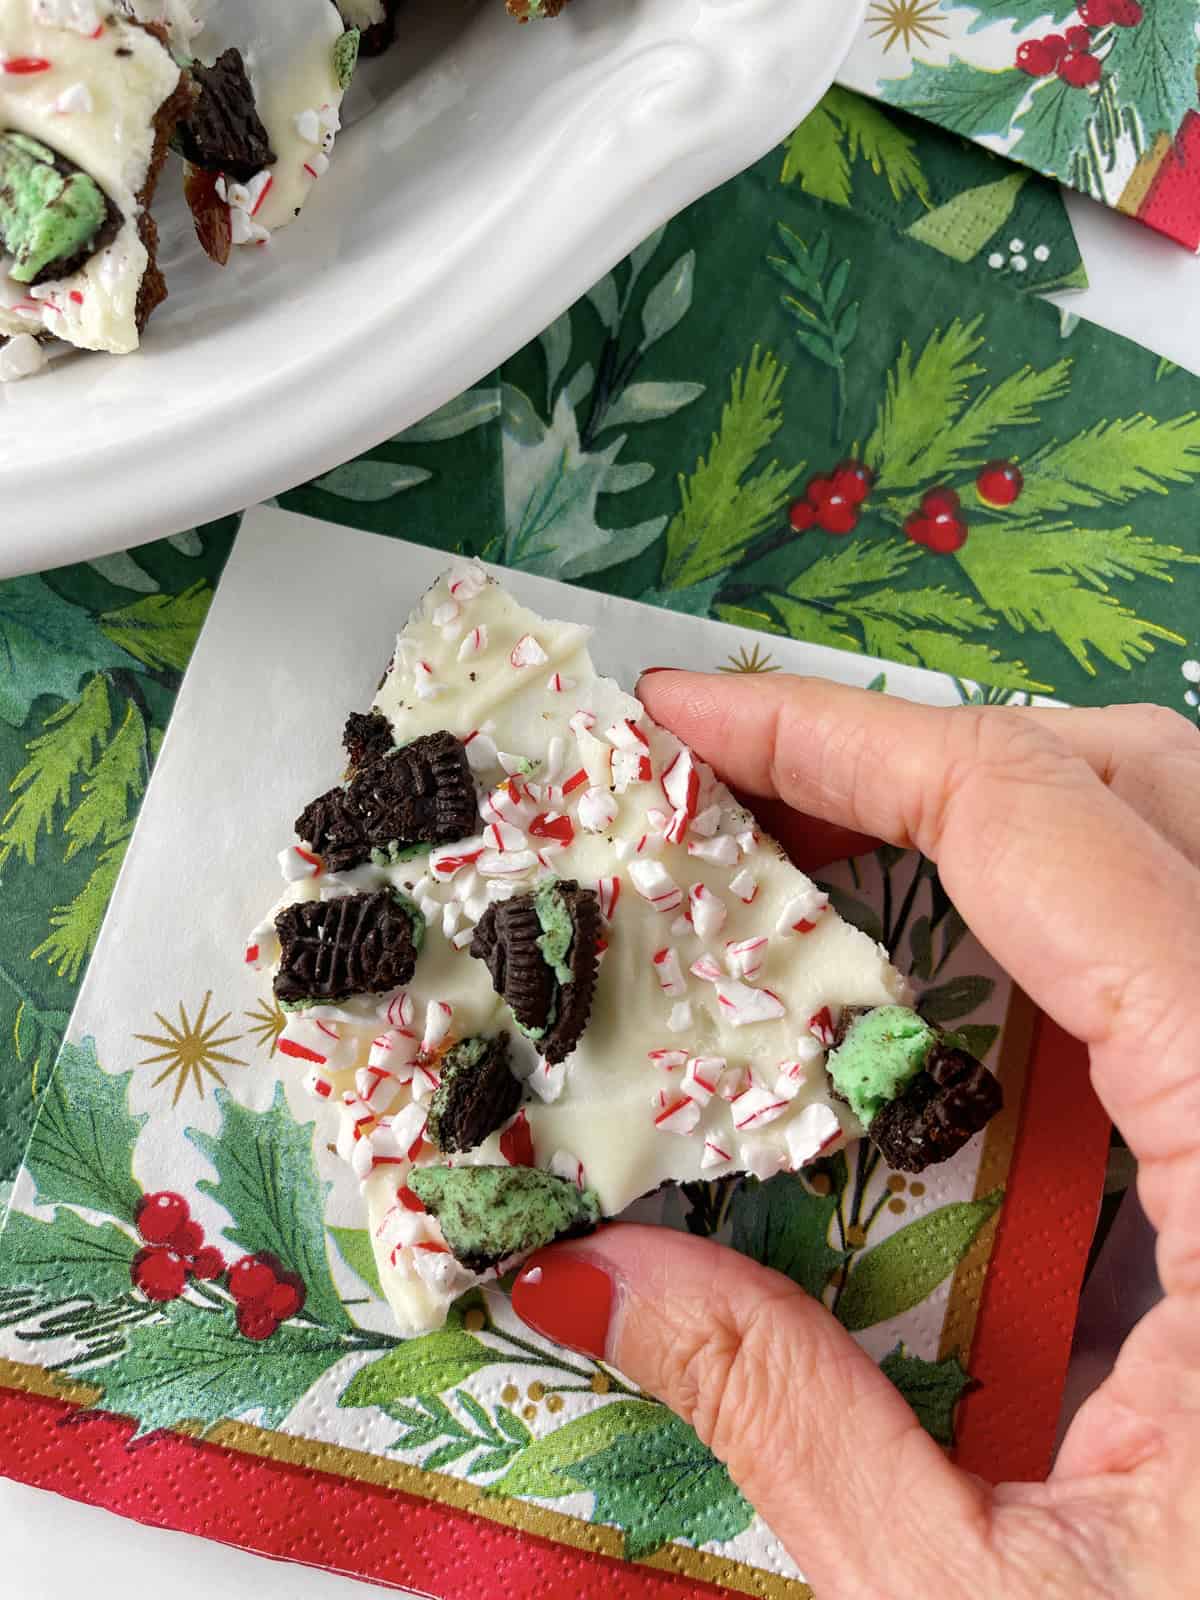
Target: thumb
x,y
812,1432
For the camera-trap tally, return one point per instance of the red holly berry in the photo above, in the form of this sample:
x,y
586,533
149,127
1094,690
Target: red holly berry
x,y
1056,45
1125,13
837,515
1079,69
284,1301
1034,58
187,1238
818,491
159,1216
937,501
1078,39
801,516
1000,483
946,534
853,481
1096,13
251,1279
208,1263
256,1322
159,1273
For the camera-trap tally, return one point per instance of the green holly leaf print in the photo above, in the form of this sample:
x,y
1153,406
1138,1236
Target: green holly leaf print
x,y
267,1182
551,486
784,1225
425,1366
932,1389
662,1484
69,1258
354,1247
366,481
964,98
976,1038
194,1366
81,1150
162,629
474,408
1154,70
669,301
54,759
1055,126
47,646
541,1468
898,1273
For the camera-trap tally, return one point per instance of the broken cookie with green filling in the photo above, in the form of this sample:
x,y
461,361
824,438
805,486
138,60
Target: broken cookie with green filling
x,y
421,794
541,950
918,1095
354,944
53,216
476,1094
489,1214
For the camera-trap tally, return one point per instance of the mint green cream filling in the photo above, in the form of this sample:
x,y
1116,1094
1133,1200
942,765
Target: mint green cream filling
x,y
557,929
882,1053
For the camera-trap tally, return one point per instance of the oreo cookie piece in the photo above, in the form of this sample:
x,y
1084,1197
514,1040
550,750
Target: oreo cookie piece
x,y
540,949
356,944
54,217
489,1214
944,1106
366,737
476,1094
223,131
421,794
919,1097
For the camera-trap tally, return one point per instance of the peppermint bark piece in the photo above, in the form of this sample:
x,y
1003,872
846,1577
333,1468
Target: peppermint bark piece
x,y
602,861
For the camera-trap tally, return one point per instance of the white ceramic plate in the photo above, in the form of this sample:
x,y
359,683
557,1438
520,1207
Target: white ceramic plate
x,y
492,174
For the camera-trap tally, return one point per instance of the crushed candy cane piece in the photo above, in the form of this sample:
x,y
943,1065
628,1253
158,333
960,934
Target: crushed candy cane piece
x,y
708,910
582,722
467,581
654,883
745,958
802,911
597,810
564,1165
408,1128
296,864
745,885
449,611
506,864
682,927
678,1115
527,652
668,971
503,836
742,1005
554,826
317,1084
557,684
822,1024
668,1060
735,1080
437,1025
399,1012
474,643
756,1108
447,860
369,1081
706,968
705,823
547,1080
425,1081
810,1134
721,850
680,1019
702,1077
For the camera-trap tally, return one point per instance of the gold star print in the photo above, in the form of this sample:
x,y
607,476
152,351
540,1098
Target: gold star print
x,y
267,1021
905,22
191,1049
753,660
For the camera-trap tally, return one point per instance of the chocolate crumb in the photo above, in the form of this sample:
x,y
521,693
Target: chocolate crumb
x,y
944,1106
476,1094
223,132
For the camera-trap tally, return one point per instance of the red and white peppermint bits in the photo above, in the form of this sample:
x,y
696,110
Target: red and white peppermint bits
x,y
756,1108
668,971
597,810
654,883
811,1133
735,1080
705,823
426,683
745,885
445,616
296,864
503,836
705,968
676,1114
527,652
629,761
713,1155
746,958
681,785
702,1078
741,1005
608,891
467,581
821,1025
680,1018
372,1083
317,1085
482,755
582,722
474,643
668,1060
446,860
547,1080
721,850
554,826
707,910
437,1025
802,911
564,1165
557,684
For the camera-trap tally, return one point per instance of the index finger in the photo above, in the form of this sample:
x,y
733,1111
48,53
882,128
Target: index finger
x,y
1083,902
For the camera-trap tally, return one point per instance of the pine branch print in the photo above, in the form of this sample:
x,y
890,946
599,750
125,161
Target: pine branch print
x,y
1112,461
825,325
54,760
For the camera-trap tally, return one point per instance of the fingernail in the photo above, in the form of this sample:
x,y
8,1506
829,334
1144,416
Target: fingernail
x,y
646,671
565,1298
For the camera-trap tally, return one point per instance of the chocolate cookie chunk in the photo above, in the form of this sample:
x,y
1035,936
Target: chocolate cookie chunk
x,y
223,131
947,1103
366,737
540,949
53,216
476,1095
422,793
356,944
489,1214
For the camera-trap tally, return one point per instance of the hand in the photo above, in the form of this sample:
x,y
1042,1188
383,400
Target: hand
x,y
1070,841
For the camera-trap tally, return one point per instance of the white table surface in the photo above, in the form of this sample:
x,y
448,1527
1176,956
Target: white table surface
x,y
1142,286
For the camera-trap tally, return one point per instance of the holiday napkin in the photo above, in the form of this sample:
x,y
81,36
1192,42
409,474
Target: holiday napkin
x,y
1100,94
429,1463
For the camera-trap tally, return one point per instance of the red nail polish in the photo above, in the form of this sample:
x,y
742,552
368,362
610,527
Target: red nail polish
x,y
565,1298
646,671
